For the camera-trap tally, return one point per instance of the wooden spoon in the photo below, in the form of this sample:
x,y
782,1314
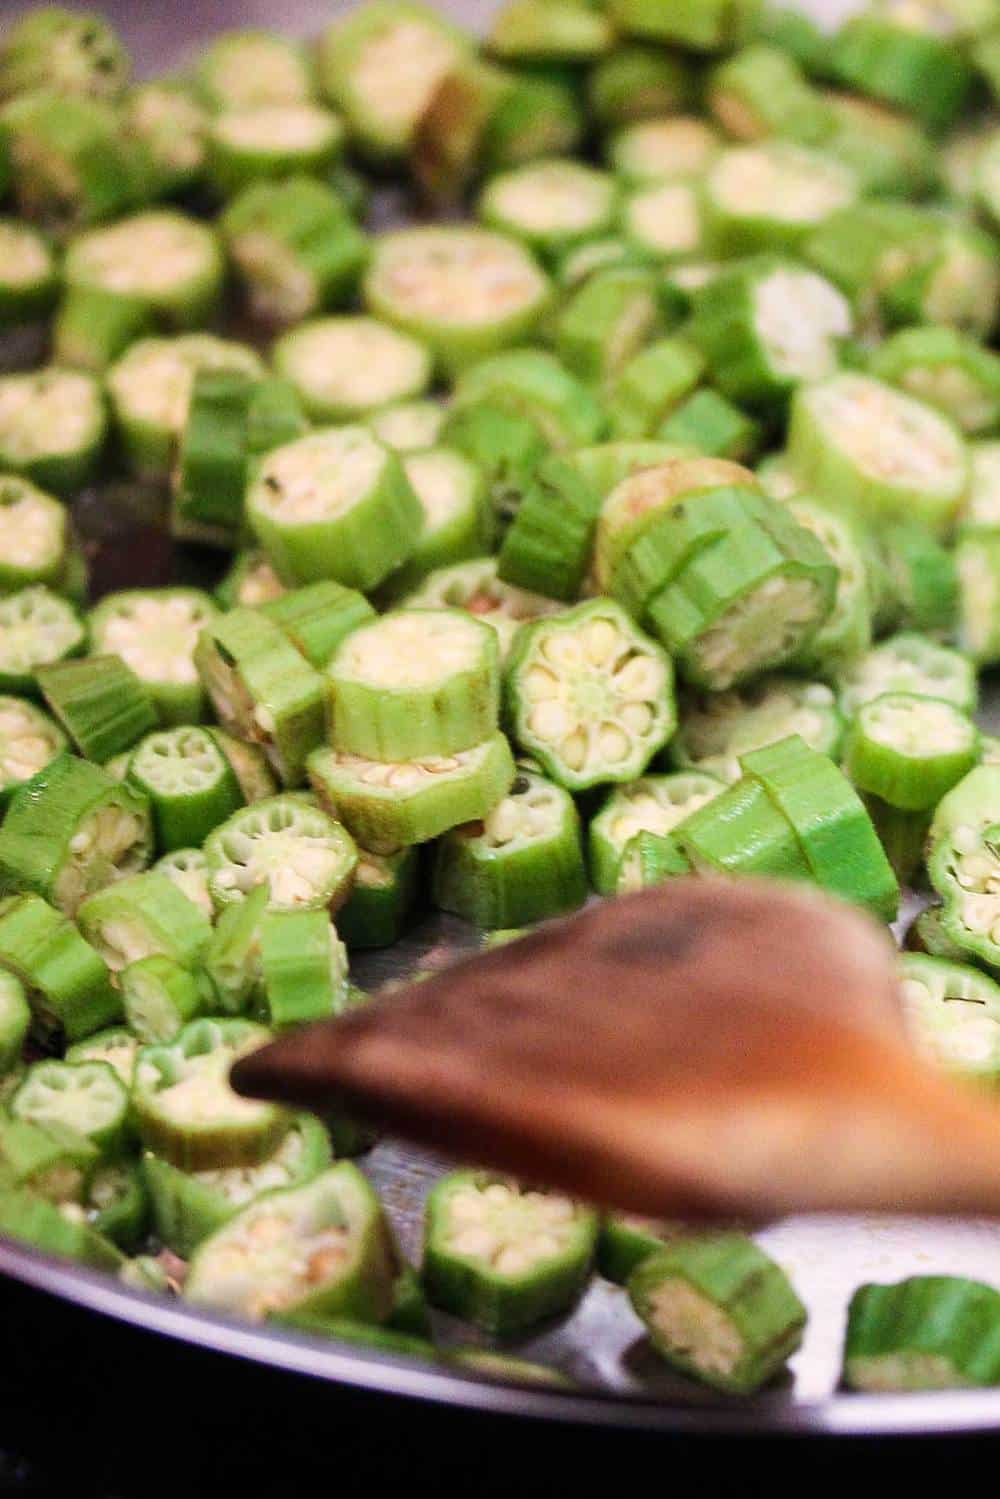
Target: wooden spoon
x,y
707,1047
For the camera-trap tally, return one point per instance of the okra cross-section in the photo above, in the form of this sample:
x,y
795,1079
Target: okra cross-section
x,y
155,633
189,782
169,262
67,983
184,1108
34,536
652,804
160,996
910,663
70,52
37,627
909,750
963,863
188,868
931,1332
770,195
87,1097
323,1248
589,695
345,367
716,728
952,1015
303,967
476,587
502,1255
304,858
414,682
143,914
29,740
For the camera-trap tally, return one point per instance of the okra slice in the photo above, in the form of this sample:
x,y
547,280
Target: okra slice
x,y
51,1160
457,515
188,782
409,426
305,858
533,383
140,915
150,391
767,325
948,369
303,968
261,142
651,385
15,1018
830,821
335,504
37,628
963,864
52,47
28,279
100,702
93,327
720,1309
909,750
977,559
888,152
249,766
55,1228
931,1332
506,447
710,424
380,66
771,196
502,1255
649,859
323,1248
188,1206
160,996
295,248
116,1204
385,886
116,1045
243,69
606,321
626,1240
520,864
952,1015
547,547
155,633
639,83
188,868
34,536
589,695
476,587
924,575
700,25
184,1108
609,252
981,504
29,741
655,150
88,1097
903,836
874,449
250,581
345,367
414,682
52,427
169,120
389,806
262,689
549,31
742,831
664,221
232,957
761,92
910,663
550,205
169,262
846,633
716,728
318,617
652,804
70,831
67,983
463,292
906,56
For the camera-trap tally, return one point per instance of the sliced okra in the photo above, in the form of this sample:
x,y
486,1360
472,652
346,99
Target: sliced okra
x,y
389,806
952,1015
924,575
304,858
909,750
250,581
716,728
648,859
318,617
140,915
949,276
610,252
385,886
52,427
262,688
888,152
150,391
699,25
242,69
93,327
948,369
770,196
977,561
409,426
49,1158
720,1309
15,1018
911,663
550,205
505,446
345,367
249,766
874,449
457,515
155,631
37,628
116,1204
232,957
906,56
51,47
742,831
164,259
334,504
767,325
463,292
100,702
116,1045
931,1332
160,996
88,1097
184,1108
760,92
295,247
188,868
189,784
846,633
167,118
981,503
539,31
520,864
660,148
34,536
504,1256
533,383
625,1240
664,221
476,587
963,865
710,424
412,683
303,968
547,547
55,1228
652,804
29,741
652,383
607,320
589,695
28,280
902,834
635,83
70,831
263,142
67,983
187,1206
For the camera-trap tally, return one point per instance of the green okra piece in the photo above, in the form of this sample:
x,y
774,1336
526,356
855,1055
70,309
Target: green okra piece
x,y
155,632
796,34
710,424
160,996
184,1108
48,1158
607,320
742,831
330,1253
931,1332
589,695
303,968
962,858
538,31
385,886
188,1206
295,247
166,116
250,581
76,54
846,633
720,1309
909,750
889,153
88,1097
507,448
55,1229
188,868
698,25
414,682
948,369
116,1204
232,958
67,983
116,1044
71,830
550,204
831,822
538,114
34,537
770,195
761,91
144,914
626,1240
318,617
504,1256
911,64
168,262
347,366
52,427
902,835
29,741
15,1018
610,252
639,83
909,662
441,284
652,804
28,276
101,703
304,858
649,859
267,142
262,689
651,385
660,148
457,515
981,503
189,784
716,728
476,586
925,577
952,1015
977,563
664,221
37,628
241,69
93,327
409,426
547,547
533,383
388,806
521,863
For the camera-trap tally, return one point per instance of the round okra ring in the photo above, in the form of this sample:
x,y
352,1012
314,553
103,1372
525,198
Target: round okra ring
x,y
189,783
846,633
160,996
155,633
384,889
28,280
34,536
963,865
188,868
908,662
142,915
589,696
606,321
303,968
169,121
345,367
29,741
661,148
476,587
250,582
304,858
244,69
63,50
550,205
716,728
94,327
247,145
457,517
409,426
414,682
664,222
948,369
37,627
547,547
533,383
762,92
52,427
652,804
318,617
88,1097
909,750
952,1015
770,196
67,983
165,260
543,31
977,560
931,1332
115,1203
